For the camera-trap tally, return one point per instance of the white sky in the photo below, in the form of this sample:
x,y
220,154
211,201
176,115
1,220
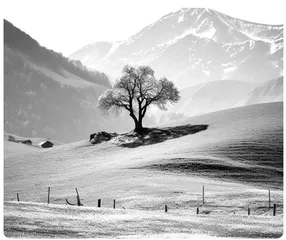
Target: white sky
x,y
65,26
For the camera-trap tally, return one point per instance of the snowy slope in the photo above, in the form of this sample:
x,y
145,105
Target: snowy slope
x,y
237,160
193,46
270,91
39,220
242,150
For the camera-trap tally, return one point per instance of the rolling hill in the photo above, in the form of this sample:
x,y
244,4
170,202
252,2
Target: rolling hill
x,y
238,158
194,46
246,137
270,91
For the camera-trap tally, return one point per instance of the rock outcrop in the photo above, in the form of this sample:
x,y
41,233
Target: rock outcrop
x,y
100,137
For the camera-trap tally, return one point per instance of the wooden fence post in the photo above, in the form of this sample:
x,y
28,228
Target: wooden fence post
x,y
274,210
48,195
166,208
18,197
99,203
198,210
78,198
114,204
203,194
269,199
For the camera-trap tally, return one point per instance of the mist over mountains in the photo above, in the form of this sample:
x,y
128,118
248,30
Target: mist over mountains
x,y
219,95
208,97
217,62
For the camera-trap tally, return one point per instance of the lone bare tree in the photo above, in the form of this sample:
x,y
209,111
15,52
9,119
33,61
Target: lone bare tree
x,y
135,91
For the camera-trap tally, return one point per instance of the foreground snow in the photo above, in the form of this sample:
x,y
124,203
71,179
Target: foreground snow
x,y
42,220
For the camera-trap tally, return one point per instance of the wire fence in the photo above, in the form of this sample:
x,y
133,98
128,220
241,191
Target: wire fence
x,y
202,207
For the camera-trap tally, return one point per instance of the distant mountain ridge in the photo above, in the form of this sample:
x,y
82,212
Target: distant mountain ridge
x,y
193,46
219,95
18,40
213,96
270,91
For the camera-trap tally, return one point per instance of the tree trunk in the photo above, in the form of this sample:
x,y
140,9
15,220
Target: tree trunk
x,y
137,121
138,126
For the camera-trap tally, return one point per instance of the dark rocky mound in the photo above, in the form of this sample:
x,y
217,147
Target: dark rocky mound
x,y
148,136
157,135
100,137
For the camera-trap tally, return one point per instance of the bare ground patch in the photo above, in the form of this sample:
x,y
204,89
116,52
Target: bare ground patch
x,y
156,135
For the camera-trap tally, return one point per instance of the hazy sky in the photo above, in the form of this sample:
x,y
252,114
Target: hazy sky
x,y
65,26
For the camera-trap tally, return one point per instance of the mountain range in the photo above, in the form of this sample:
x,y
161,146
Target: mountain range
x,y
194,46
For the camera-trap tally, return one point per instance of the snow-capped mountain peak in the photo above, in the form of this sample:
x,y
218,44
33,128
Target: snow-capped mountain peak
x,y
196,45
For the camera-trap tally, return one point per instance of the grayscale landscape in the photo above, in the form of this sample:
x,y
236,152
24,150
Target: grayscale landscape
x,y
204,160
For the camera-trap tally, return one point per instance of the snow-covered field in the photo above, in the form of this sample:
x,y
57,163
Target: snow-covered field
x,y
240,158
31,220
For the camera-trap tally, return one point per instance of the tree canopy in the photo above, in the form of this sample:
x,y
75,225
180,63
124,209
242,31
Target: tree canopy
x,y
135,91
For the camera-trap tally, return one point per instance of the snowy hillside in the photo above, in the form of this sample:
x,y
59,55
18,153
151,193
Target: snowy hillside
x,y
193,46
270,91
238,158
235,137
